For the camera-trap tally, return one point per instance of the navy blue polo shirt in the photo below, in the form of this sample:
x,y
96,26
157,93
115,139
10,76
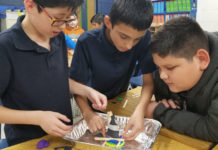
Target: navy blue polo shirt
x,y
96,61
32,78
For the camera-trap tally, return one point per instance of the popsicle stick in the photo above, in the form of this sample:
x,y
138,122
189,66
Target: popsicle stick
x,y
124,105
107,139
104,143
118,144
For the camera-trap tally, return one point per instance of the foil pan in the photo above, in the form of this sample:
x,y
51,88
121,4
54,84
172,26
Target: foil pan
x,y
144,141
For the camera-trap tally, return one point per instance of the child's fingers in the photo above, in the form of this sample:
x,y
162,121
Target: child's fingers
x,y
172,104
103,102
126,129
62,117
132,135
59,132
95,106
165,102
103,131
64,127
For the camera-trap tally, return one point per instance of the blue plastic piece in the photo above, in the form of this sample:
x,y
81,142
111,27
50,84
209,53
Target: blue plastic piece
x,y
3,143
70,43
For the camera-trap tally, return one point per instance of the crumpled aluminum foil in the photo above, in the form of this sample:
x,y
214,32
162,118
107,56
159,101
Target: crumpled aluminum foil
x,y
144,141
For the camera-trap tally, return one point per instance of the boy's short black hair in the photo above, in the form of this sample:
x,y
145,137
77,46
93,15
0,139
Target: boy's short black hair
x,y
98,18
179,37
74,4
136,13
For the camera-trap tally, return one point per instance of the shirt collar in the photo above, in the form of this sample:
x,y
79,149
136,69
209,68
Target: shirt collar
x,y
110,47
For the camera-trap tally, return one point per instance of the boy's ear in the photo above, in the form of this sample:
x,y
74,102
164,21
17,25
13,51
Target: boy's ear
x,y
204,58
107,22
29,4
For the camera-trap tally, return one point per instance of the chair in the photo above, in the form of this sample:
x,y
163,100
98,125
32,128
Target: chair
x,y
3,142
136,79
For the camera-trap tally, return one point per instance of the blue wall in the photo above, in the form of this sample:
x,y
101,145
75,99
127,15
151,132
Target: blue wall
x,y
11,2
103,6
84,15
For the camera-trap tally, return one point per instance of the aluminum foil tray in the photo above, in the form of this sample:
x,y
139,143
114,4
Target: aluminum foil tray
x,y
143,141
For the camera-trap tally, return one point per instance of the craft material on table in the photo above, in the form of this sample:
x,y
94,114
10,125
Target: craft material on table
x,y
42,144
124,105
113,128
111,142
119,98
81,134
114,140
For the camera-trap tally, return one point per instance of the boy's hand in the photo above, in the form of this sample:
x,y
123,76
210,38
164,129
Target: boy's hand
x,y
152,105
51,123
95,123
99,100
136,124
169,103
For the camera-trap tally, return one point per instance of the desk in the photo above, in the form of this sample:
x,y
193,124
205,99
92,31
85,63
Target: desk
x,y
54,142
216,147
166,140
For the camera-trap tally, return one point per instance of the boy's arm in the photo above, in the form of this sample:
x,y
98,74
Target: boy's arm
x,y
186,122
50,122
99,100
82,92
94,122
136,122
81,60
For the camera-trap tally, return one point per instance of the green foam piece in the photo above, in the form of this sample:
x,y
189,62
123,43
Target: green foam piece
x,y
119,98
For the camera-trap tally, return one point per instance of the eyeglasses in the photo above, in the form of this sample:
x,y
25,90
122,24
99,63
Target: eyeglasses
x,y
56,22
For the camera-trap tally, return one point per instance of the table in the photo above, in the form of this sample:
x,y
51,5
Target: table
x,y
166,140
216,147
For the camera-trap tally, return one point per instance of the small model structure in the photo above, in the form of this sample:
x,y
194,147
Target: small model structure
x,y
113,128
113,140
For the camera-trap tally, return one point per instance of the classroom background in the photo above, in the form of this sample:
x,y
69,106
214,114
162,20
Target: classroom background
x,y
204,11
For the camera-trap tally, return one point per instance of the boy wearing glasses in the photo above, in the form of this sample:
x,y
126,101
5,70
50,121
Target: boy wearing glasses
x,y
34,85
105,59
